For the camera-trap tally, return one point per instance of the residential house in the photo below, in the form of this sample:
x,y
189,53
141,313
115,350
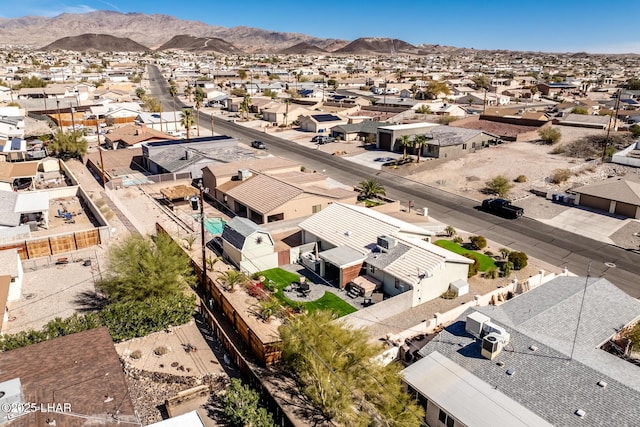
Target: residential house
x,y
482,98
292,193
132,135
11,277
72,380
388,135
163,122
618,196
248,246
283,113
12,127
548,357
585,121
353,240
319,123
366,131
553,89
191,155
450,142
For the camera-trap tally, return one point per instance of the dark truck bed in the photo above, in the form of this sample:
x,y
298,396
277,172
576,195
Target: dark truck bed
x,y
502,207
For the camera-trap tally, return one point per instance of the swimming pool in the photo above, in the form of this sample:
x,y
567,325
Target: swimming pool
x,y
214,225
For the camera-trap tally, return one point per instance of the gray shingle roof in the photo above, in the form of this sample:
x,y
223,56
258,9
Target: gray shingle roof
x,y
548,381
8,216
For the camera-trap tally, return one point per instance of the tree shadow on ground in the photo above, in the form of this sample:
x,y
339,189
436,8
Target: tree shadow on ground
x,y
90,301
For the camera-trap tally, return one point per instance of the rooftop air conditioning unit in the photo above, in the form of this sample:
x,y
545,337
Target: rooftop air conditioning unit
x,y
10,396
492,345
492,328
475,323
244,174
385,243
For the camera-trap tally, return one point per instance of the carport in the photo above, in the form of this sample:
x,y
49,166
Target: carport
x,y
340,265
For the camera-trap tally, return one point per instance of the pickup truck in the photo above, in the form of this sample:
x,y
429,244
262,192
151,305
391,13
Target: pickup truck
x,y
502,207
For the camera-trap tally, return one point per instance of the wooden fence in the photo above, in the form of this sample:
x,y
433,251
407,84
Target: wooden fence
x,y
54,245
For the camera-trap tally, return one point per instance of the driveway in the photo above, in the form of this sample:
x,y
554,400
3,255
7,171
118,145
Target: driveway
x,y
587,223
368,158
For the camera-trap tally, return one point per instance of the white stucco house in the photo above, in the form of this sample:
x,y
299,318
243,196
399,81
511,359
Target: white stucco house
x,y
248,246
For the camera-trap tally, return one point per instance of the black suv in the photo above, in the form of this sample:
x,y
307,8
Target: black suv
x,y
258,144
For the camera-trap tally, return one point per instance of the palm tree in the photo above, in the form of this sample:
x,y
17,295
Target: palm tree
x,y
173,91
244,105
450,231
187,92
370,188
404,142
231,278
186,119
419,141
199,97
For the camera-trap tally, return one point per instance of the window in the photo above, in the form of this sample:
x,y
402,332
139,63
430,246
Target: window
x,y
464,146
372,269
445,418
399,285
316,208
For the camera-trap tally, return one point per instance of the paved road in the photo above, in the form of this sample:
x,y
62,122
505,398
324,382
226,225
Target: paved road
x,y
552,245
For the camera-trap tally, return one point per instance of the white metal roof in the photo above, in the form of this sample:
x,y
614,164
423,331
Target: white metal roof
x,y
32,202
474,402
190,419
408,126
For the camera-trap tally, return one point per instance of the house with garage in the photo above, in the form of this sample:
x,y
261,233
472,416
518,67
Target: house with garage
x,y
353,241
618,196
552,356
248,246
446,142
133,136
282,113
291,192
365,130
388,135
319,123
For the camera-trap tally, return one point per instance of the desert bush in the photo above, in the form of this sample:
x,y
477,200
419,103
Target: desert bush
x,y
160,351
499,185
491,273
521,178
478,242
136,354
550,135
635,130
518,259
559,176
449,295
457,240
558,149
580,110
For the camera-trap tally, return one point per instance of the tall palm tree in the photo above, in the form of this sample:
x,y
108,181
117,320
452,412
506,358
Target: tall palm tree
x,y
186,119
370,188
199,98
419,141
404,142
173,91
244,105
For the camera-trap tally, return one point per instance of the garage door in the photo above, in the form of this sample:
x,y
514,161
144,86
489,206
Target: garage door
x,y
626,209
385,141
595,202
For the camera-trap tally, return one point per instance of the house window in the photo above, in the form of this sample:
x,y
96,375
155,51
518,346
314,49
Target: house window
x,y
464,146
445,418
372,269
399,285
316,208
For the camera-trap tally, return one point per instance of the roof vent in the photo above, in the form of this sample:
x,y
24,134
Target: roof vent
x,y
347,233
580,412
533,347
511,372
602,384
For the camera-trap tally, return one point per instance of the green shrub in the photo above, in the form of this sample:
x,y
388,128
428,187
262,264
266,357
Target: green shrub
x,y
478,242
518,259
506,269
499,185
457,240
473,268
241,406
491,273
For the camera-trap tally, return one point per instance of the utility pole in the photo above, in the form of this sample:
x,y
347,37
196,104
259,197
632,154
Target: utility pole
x,y
73,124
100,151
204,248
211,124
612,121
59,120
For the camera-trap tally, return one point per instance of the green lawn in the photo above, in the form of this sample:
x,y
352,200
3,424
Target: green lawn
x,y
328,301
485,261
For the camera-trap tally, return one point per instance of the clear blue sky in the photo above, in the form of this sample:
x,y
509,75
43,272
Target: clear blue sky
x,y
544,25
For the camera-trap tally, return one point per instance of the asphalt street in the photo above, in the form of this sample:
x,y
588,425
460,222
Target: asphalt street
x,y
552,245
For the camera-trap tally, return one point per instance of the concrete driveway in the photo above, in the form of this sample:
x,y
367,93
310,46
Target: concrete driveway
x,y
587,223
368,158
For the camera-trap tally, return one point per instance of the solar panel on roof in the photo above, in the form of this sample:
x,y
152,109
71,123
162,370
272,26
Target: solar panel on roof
x,y
325,117
15,144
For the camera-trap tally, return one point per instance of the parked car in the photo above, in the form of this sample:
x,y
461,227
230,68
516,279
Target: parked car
x,y
502,207
317,138
258,144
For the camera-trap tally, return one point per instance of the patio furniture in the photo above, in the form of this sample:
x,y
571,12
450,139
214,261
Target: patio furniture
x,y
304,289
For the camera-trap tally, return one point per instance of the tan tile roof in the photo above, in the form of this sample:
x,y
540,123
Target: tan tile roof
x,y
10,171
132,134
263,193
82,369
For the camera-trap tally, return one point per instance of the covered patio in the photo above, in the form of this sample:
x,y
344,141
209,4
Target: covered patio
x,y
340,265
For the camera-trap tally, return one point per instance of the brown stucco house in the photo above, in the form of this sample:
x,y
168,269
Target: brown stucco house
x,y
617,196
